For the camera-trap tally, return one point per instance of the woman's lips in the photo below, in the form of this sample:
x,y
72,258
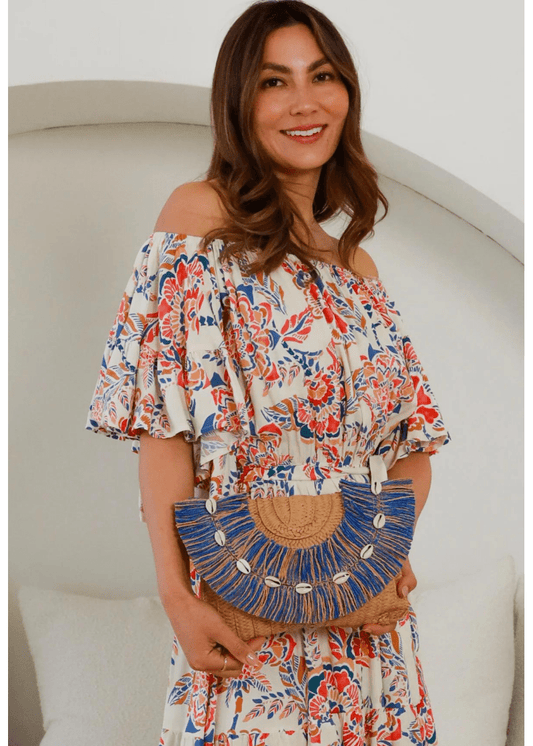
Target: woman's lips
x,y
306,139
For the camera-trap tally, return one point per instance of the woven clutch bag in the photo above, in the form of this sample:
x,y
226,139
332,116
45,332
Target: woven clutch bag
x,y
273,564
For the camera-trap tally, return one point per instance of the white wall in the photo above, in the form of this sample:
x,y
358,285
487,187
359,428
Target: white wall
x,y
82,202
443,81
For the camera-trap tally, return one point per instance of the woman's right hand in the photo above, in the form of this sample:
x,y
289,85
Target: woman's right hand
x,y
207,641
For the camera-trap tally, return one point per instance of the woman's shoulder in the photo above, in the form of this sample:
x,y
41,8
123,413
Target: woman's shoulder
x,y
365,265
194,209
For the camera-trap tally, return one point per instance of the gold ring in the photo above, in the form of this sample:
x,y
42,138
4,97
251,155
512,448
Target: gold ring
x,y
225,663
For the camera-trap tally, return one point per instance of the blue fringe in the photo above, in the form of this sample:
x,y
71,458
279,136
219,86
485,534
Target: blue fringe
x,y
315,565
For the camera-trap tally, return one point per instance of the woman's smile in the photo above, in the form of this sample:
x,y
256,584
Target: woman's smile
x,y
306,135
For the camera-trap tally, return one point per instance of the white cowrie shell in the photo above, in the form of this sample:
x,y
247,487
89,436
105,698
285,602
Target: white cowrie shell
x,y
379,520
367,551
341,577
220,538
303,588
243,567
211,505
272,581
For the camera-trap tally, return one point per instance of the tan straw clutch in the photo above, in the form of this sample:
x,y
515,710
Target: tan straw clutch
x,y
275,564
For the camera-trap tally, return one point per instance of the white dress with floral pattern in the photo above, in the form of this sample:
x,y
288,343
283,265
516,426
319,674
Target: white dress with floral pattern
x,y
283,383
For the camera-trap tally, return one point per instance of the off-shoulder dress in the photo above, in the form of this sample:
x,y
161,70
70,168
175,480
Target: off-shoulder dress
x,y
283,383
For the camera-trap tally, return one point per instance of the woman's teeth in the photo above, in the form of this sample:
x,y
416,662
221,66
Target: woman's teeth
x,y
304,133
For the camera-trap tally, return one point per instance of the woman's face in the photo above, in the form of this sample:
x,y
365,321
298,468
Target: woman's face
x,y
299,91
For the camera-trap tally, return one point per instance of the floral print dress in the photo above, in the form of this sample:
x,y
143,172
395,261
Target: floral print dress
x,y
284,383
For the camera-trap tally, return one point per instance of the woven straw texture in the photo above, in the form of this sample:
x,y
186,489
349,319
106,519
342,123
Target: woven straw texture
x,y
385,608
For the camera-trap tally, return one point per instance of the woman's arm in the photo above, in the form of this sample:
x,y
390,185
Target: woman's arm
x,y
417,467
166,475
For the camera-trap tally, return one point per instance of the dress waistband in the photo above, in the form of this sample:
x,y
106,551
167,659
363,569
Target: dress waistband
x,y
313,472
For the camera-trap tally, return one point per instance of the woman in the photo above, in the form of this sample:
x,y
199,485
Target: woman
x,y
253,352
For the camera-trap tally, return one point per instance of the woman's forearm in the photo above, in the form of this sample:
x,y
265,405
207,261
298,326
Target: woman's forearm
x,y
417,467
166,476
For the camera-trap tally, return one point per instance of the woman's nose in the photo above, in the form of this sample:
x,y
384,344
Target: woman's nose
x,y
303,101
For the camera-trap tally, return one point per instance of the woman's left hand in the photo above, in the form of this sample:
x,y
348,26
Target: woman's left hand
x,y
407,581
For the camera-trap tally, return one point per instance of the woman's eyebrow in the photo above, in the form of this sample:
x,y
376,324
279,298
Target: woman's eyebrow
x,y
285,69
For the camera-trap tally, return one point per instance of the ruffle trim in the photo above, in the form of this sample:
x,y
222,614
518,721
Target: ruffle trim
x,y
399,443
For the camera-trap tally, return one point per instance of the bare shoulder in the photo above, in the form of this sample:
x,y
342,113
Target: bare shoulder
x,y
364,264
193,208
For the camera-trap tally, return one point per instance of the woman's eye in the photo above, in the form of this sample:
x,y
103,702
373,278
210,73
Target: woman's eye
x,y
270,82
326,76
277,82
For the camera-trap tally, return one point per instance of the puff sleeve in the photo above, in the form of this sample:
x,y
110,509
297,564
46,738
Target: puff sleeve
x,y
166,368
141,384
420,426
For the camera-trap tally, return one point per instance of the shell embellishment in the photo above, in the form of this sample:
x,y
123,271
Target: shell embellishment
x,y
243,566
341,577
220,538
211,505
367,551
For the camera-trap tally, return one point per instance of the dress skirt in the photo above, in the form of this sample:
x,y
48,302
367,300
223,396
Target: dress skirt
x,y
334,687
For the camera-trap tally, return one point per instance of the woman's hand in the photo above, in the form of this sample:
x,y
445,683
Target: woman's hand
x,y
208,643
408,582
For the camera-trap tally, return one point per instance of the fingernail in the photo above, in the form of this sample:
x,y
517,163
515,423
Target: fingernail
x,y
253,660
405,591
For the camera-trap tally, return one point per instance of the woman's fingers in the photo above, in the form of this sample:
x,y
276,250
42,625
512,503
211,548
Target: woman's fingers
x,y
227,674
240,650
209,644
230,666
408,581
225,665
405,585
218,662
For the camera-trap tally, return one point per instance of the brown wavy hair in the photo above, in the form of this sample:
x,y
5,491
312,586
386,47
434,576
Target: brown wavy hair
x,y
260,217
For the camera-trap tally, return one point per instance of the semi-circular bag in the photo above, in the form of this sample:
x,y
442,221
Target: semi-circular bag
x,y
270,565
